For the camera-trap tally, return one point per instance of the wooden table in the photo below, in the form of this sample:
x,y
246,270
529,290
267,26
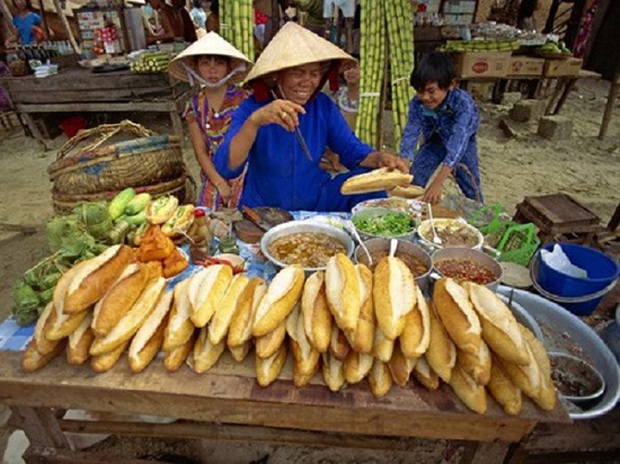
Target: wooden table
x,y
75,90
234,401
563,88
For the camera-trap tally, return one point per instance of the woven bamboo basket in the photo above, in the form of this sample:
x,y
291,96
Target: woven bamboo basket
x,y
111,157
184,188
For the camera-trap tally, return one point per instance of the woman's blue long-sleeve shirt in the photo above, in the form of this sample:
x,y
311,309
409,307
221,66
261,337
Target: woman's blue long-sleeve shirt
x,y
279,174
456,124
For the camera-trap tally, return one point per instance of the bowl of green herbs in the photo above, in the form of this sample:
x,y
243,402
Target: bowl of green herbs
x,y
384,223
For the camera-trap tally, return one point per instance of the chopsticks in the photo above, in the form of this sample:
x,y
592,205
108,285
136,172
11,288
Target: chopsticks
x,y
300,137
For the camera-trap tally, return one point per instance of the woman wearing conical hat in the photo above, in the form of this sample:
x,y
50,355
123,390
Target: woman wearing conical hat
x,y
264,132
215,66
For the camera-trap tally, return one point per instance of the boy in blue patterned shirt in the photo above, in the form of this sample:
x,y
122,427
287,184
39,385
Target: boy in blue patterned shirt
x,y
448,119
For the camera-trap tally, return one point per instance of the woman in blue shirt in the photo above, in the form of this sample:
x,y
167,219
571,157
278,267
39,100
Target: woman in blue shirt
x,y
25,22
448,119
287,79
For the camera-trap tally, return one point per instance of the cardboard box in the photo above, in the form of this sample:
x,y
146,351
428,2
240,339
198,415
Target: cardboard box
x,y
526,66
563,68
482,64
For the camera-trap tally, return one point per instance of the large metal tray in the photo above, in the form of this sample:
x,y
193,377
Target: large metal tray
x,y
558,325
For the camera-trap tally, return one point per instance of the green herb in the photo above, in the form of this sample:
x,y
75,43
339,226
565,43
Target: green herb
x,y
389,224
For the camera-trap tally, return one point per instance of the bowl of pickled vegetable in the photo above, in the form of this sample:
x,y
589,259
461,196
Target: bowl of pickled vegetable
x,y
384,223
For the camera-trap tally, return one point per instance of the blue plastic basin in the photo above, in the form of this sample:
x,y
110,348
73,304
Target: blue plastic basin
x,y
602,271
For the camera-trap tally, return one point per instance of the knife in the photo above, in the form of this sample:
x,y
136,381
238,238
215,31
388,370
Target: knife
x,y
254,218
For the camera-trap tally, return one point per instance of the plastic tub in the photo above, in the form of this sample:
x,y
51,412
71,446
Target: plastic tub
x,y
602,271
71,126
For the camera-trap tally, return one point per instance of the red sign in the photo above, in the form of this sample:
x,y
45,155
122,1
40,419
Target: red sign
x,y
480,67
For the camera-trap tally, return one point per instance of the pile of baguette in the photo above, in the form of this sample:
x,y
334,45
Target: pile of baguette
x,y
348,322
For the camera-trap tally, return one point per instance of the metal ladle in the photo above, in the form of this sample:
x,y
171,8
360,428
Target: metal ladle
x,y
393,246
357,237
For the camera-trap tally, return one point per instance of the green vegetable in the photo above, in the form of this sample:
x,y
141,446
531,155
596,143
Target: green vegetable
x,y
46,295
137,219
137,204
90,214
50,280
118,233
119,203
388,224
24,295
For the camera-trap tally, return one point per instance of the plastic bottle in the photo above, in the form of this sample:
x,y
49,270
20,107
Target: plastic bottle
x,y
200,232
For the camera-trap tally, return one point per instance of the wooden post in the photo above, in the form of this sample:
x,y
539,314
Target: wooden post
x,y
65,23
611,102
44,19
8,18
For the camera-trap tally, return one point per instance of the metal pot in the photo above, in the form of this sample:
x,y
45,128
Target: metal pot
x,y
296,227
425,233
476,256
375,212
404,248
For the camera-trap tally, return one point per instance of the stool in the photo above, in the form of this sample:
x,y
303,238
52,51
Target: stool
x,y
559,217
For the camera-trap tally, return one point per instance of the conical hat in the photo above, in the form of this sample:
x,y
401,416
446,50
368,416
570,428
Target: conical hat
x,y
293,46
210,44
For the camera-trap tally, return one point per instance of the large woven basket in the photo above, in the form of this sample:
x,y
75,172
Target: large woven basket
x,y
184,188
111,157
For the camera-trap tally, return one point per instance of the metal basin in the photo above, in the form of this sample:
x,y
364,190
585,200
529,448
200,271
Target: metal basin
x,y
378,212
404,248
557,323
296,227
425,232
475,256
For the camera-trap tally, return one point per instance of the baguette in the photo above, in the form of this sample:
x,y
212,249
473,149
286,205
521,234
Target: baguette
x,y
500,329
506,393
362,338
478,366
382,348
375,181
305,356
356,367
240,331
80,342
180,326
218,328
206,354
282,295
61,323
131,322
441,353
425,375
409,191
401,366
526,377
239,352
342,291
267,345
206,290
268,369
316,316
119,299
32,360
44,323
94,279
416,335
457,315
338,344
380,379
546,397
150,336
469,392
394,295
333,372
106,361
175,358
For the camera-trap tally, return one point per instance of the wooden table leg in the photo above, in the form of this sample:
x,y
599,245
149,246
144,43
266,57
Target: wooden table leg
x,y
609,107
556,93
40,426
568,86
34,130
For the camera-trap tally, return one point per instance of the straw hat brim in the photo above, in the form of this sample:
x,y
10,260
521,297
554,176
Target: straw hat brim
x,y
210,44
294,46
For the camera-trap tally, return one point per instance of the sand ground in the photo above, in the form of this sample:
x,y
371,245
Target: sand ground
x,y
511,169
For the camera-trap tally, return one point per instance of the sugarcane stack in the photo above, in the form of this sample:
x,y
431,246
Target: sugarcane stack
x,y
237,25
400,34
380,19
372,70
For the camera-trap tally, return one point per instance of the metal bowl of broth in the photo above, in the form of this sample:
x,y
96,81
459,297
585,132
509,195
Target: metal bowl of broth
x,y
306,243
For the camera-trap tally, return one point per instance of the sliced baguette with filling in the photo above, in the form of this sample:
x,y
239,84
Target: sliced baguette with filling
x,y
316,316
305,356
240,331
441,352
375,181
416,335
362,338
220,323
394,295
343,292
457,315
208,292
180,326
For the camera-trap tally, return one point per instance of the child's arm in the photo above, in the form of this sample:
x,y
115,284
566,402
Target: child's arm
x,y
465,126
411,132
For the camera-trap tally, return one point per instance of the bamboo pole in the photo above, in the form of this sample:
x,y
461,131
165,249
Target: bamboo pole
x,y
46,27
65,23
